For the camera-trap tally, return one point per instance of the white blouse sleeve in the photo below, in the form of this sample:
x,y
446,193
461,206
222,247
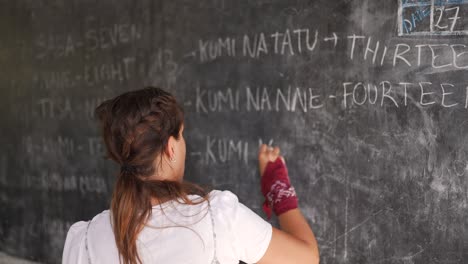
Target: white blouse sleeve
x,y
251,233
73,249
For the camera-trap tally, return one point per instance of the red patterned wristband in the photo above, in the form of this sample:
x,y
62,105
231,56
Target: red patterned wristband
x,y
277,190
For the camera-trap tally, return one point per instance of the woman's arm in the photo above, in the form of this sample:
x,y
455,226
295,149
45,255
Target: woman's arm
x,y
295,242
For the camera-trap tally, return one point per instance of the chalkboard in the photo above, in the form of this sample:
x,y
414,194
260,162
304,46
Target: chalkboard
x,y
368,100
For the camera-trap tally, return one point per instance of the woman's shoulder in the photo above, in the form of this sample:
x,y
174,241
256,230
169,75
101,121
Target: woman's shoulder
x,y
246,230
223,198
226,204
75,238
78,229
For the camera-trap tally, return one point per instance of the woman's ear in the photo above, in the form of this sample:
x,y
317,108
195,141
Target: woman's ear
x,y
170,148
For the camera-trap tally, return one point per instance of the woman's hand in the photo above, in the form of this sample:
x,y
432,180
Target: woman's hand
x,y
295,242
267,154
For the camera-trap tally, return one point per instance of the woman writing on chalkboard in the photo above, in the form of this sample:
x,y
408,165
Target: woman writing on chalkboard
x,y
157,217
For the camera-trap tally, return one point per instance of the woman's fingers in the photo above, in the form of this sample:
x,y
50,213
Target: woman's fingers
x,y
266,154
262,158
276,152
262,149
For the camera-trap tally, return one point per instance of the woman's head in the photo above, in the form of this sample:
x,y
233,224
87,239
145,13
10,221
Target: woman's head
x,y
142,132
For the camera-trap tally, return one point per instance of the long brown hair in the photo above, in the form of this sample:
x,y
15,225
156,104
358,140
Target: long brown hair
x,y
136,127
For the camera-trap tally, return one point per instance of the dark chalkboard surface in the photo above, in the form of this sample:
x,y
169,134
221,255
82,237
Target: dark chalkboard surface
x,y
368,99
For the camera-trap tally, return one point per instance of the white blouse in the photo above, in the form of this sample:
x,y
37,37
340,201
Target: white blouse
x,y
226,231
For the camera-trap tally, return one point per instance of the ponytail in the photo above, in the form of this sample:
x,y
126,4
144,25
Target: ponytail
x,y
128,206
